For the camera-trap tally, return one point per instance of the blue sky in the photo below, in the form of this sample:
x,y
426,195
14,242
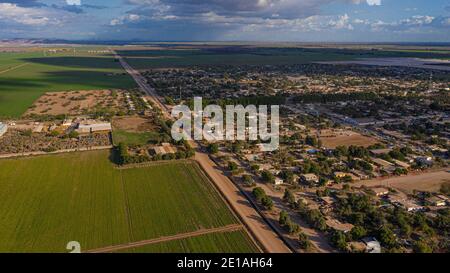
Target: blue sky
x,y
228,20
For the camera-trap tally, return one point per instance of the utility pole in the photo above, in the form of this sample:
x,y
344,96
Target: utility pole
x,y
430,84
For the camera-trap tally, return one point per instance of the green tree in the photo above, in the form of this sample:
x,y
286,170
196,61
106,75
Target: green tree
x,y
284,217
267,202
339,240
248,180
288,197
304,241
292,227
267,177
387,237
213,148
358,232
232,166
73,134
422,247
259,193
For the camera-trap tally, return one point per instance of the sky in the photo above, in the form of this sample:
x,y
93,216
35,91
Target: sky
x,y
228,20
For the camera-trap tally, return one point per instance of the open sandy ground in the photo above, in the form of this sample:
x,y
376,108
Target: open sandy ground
x,y
430,181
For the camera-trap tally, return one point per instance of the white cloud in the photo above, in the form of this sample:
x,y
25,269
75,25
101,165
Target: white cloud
x,y
125,19
25,16
369,2
73,2
407,24
374,2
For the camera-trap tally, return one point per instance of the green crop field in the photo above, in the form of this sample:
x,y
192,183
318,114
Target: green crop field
x,y
133,138
24,77
48,201
175,57
209,243
144,59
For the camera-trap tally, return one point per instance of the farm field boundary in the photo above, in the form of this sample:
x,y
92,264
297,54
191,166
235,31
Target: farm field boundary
x,y
13,68
196,233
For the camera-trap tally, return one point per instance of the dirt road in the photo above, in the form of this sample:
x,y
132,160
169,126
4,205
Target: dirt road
x,y
166,239
261,231
13,68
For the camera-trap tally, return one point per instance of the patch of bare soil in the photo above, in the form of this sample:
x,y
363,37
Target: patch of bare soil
x,y
347,140
134,124
77,102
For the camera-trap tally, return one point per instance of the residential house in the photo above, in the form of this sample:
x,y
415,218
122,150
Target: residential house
x,y
337,225
309,178
278,181
380,191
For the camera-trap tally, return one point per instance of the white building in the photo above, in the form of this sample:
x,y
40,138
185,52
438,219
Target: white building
x,y
3,129
279,181
372,245
91,128
310,178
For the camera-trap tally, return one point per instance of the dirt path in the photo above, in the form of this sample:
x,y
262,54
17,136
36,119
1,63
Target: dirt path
x,y
196,233
83,149
259,228
14,68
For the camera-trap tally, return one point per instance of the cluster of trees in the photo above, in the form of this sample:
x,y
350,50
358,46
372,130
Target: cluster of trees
x,y
304,241
286,222
288,176
267,176
313,141
334,97
381,223
340,239
313,216
232,166
253,100
360,165
244,101
351,151
262,198
125,158
55,133
248,180
213,148
400,171
289,198
178,155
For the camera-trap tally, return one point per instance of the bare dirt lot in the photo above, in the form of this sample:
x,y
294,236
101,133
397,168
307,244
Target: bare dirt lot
x,y
134,124
347,139
77,102
431,181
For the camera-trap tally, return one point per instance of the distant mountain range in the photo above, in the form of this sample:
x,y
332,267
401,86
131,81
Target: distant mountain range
x,y
31,42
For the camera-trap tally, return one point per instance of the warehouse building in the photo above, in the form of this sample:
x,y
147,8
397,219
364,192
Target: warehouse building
x,y
3,129
87,128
